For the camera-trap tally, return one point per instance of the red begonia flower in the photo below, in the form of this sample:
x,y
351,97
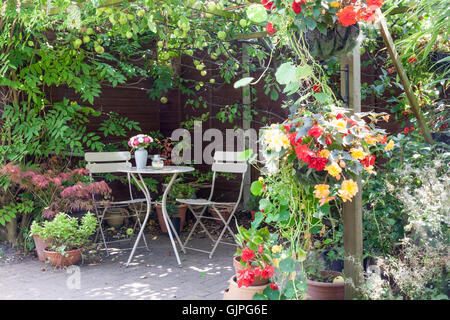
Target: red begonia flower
x,y
269,28
347,16
246,277
315,132
297,6
268,4
247,254
304,153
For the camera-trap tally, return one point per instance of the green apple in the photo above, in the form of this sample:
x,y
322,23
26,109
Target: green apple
x,y
86,39
99,49
164,100
212,80
129,231
77,43
89,31
140,13
243,23
221,35
203,73
129,35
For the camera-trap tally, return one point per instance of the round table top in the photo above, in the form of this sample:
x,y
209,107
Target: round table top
x,y
163,170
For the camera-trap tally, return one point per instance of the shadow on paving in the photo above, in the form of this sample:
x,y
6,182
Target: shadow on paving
x,y
152,274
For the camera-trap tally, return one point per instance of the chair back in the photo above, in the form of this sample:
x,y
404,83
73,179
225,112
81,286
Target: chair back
x,y
107,162
228,162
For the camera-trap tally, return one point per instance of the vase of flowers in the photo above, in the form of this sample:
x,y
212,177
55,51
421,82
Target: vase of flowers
x,y
140,144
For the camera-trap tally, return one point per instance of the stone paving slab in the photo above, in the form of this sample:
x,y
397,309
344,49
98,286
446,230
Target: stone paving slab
x,y
152,275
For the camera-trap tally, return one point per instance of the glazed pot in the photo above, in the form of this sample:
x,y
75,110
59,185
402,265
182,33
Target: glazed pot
x,y
59,261
182,208
233,292
325,291
258,281
141,156
114,217
40,245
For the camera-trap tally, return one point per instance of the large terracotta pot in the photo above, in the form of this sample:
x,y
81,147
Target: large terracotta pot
x,y
40,245
182,208
233,292
58,260
258,280
325,291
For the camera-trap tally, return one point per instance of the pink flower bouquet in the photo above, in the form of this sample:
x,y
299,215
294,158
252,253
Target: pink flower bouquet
x,y
140,141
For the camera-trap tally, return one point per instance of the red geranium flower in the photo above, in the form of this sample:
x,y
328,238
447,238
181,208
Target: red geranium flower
x,y
274,286
406,130
375,3
293,139
265,273
269,28
318,163
246,277
260,249
288,127
297,6
347,16
390,70
304,153
368,161
247,254
412,60
268,4
328,140
317,88
315,132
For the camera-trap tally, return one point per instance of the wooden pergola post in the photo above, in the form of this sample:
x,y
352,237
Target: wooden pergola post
x,y
246,125
352,211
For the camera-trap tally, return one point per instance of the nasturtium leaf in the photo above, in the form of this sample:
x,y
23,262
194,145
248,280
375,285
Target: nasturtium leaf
x,y
256,188
245,155
304,71
286,73
321,97
287,265
243,82
257,13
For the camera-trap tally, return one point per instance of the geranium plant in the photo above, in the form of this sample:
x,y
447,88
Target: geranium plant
x,y
255,254
140,141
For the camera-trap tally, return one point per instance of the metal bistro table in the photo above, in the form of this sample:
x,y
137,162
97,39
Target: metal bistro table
x,y
174,170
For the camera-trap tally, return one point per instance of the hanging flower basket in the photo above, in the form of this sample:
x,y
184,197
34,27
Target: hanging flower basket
x,y
337,42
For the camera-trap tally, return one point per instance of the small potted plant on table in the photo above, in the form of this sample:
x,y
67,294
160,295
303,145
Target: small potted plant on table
x,y
68,237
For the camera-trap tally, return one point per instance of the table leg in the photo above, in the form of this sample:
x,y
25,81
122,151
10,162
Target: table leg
x,y
169,223
146,193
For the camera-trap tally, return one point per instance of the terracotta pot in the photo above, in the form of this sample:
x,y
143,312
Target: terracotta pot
x,y
325,291
40,245
233,292
58,260
182,208
258,281
225,212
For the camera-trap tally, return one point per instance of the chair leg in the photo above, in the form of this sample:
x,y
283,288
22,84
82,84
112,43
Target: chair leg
x,y
226,227
100,221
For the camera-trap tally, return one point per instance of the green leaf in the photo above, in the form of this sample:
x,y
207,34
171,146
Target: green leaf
x,y
287,265
286,73
310,23
243,82
321,97
304,71
257,13
256,188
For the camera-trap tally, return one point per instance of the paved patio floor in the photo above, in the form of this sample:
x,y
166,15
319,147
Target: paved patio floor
x,y
152,275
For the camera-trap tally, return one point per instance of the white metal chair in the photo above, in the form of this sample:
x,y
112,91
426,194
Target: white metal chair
x,y
112,162
226,162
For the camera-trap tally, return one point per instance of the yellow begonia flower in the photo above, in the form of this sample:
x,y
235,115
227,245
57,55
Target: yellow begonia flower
x,y
389,146
370,170
334,169
357,153
370,139
348,190
325,153
276,249
340,124
335,4
261,179
321,191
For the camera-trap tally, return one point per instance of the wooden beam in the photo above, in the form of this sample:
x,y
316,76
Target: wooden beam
x,y
352,211
403,77
246,123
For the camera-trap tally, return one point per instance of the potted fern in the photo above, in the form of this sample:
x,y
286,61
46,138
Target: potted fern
x,y
68,237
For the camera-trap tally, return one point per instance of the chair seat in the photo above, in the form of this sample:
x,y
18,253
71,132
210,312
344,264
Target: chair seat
x,y
204,202
119,203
